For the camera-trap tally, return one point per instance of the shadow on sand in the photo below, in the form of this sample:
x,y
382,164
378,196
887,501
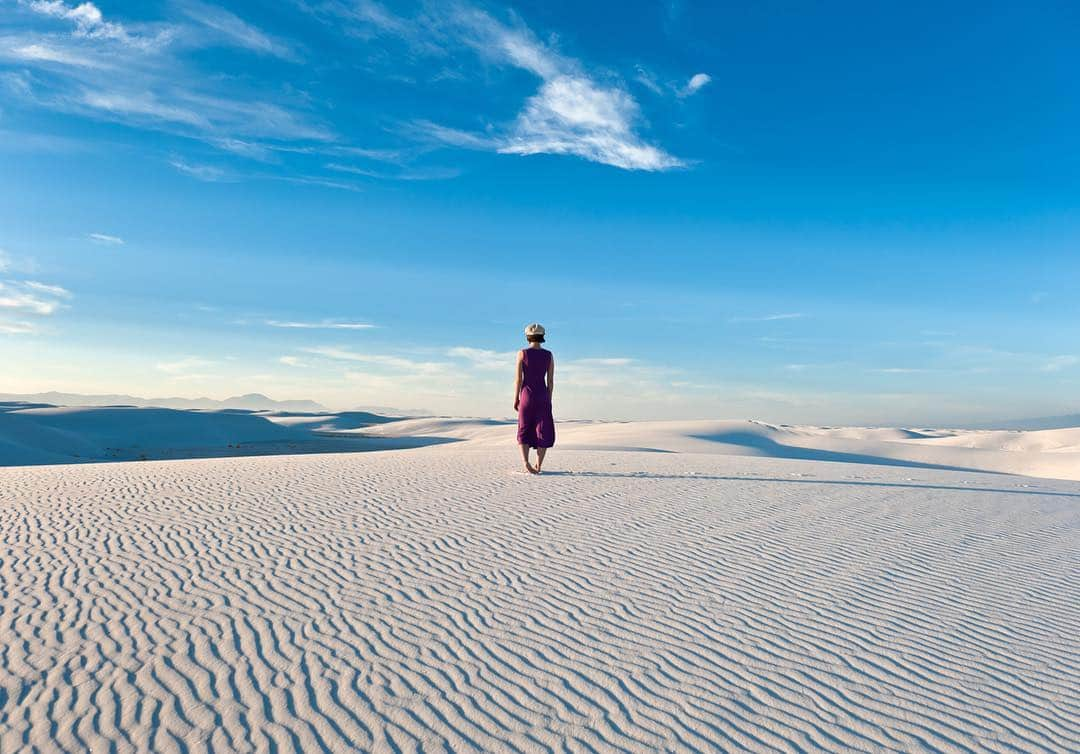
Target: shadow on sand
x,y
772,449
847,482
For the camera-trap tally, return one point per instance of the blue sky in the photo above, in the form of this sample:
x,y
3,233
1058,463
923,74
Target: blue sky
x,y
821,212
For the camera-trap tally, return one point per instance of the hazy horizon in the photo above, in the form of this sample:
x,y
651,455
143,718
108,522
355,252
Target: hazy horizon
x,y
773,418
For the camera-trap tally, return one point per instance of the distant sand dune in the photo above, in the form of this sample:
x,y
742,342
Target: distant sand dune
x,y
49,435
1046,453
434,600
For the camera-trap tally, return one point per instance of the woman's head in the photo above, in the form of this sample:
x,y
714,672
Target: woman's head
x,y
534,333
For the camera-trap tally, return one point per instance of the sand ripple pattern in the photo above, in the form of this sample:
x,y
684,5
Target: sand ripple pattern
x,y
432,601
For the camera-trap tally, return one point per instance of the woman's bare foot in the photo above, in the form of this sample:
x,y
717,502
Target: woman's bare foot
x,y
530,469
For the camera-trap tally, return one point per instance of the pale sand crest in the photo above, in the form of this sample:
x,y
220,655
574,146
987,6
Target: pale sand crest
x,y
435,600
54,435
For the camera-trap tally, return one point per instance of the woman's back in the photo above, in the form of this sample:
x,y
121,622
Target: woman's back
x,y
534,367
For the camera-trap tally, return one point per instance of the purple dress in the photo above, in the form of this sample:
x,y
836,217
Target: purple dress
x,y
536,427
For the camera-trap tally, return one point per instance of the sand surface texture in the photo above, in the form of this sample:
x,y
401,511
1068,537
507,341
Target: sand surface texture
x,y
437,600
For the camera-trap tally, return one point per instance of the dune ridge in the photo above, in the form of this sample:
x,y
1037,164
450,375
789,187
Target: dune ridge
x,y
1046,453
36,434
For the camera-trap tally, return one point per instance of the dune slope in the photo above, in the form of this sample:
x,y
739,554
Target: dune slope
x,y
48,435
1054,454
434,600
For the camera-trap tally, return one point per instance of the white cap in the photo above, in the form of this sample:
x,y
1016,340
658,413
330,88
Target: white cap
x,y
534,329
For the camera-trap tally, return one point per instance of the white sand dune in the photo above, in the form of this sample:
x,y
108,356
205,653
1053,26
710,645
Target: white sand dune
x,y
47,435
51,434
327,423
1048,453
437,600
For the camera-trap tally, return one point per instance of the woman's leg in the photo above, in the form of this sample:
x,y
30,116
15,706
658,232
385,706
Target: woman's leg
x,y
525,457
540,453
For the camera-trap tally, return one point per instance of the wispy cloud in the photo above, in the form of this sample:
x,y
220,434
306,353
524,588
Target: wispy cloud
x,y
235,30
407,174
382,360
483,358
79,60
31,297
47,290
24,301
574,112
17,327
648,79
573,115
767,318
104,239
20,264
313,180
184,365
207,173
138,74
326,324
292,361
43,52
613,373
142,106
680,89
223,122
695,84
31,141
90,23
899,370
603,362
1057,363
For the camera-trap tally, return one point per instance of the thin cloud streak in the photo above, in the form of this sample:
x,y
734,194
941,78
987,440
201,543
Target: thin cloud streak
x,y
17,327
184,365
392,362
104,239
234,29
32,297
483,358
205,173
695,84
324,325
767,318
1058,363
40,52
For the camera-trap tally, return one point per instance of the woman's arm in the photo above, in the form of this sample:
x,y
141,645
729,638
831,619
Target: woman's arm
x,y
517,380
551,377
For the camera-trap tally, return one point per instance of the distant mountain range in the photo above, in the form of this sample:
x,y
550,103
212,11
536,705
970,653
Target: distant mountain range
x,y
1044,422
249,402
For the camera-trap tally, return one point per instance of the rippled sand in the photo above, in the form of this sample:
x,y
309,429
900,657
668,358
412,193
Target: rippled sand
x,y
437,600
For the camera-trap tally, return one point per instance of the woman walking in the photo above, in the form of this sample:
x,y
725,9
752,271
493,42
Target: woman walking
x,y
532,398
